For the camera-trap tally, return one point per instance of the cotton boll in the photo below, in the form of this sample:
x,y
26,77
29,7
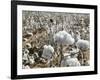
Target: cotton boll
x,y
69,61
72,62
62,37
48,52
31,59
66,56
71,41
68,38
82,44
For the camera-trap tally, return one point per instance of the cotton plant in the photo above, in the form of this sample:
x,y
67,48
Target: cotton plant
x,y
63,38
83,45
47,54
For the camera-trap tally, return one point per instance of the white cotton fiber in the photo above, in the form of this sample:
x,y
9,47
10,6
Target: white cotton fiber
x,y
48,51
82,44
72,62
68,61
62,37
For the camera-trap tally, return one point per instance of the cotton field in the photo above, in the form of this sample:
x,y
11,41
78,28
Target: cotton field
x,y
55,39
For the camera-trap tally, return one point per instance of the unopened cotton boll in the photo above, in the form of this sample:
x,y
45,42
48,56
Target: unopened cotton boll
x,y
82,44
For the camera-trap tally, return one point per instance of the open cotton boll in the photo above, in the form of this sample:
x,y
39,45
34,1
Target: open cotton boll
x,y
62,37
48,52
70,62
82,44
66,56
70,41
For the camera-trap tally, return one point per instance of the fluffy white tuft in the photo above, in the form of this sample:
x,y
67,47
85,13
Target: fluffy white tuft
x,y
48,51
62,37
68,61
82,44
